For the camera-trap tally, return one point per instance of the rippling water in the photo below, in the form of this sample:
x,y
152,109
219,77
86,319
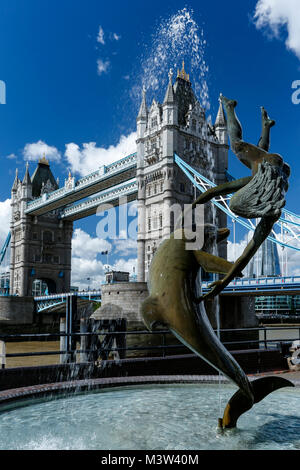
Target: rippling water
x,y
152,418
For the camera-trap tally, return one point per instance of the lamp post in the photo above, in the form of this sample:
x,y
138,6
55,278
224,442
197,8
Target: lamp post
x,y
88,279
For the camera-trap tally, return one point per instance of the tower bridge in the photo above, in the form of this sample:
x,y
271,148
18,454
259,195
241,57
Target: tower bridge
x,y
43,213
178,154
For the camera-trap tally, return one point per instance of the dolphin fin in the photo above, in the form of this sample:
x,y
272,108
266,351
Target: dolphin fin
x,y
212,263
239,403
151,313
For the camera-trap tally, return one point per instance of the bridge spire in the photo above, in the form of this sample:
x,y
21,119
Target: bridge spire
x,y
44,160
221,125
182,73
26,179
16,181
169,97
143,112
220,119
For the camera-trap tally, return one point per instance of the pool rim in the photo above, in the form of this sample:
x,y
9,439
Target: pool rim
x,y
73,387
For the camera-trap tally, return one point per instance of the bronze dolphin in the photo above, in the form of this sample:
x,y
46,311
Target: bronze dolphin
x,y
173,302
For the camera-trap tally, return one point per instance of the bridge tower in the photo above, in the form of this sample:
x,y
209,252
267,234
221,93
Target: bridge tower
x,y
177,125
40,259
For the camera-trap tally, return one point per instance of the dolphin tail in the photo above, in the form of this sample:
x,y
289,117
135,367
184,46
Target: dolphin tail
x,y
239,403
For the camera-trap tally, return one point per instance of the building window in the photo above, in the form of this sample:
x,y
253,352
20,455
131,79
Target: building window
x,y
149,224
160,220
182,187
155,188
48,236
47,258
56,259
17,282
149,190
154,121
34,236
194,124
161,186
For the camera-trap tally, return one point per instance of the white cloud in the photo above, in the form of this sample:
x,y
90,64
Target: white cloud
x,y
37,150
116,37
100,37
289,259
126,265
234,250
5,214
85,264
83,245
82,269
12,156
88,158
125,247
273,15
102,66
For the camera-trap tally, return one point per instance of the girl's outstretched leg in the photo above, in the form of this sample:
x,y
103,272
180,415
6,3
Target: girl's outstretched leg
x,y
267,123
233,124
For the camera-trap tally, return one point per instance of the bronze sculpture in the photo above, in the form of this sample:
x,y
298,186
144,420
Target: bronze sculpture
x,y
261,195
174,300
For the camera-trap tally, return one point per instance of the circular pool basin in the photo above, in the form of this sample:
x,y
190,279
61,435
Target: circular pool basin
x,y
151,417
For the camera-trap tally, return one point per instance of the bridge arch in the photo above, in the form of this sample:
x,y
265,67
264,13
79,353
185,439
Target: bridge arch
x,y
43,286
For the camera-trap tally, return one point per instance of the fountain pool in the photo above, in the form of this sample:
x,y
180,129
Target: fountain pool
x,y
151,417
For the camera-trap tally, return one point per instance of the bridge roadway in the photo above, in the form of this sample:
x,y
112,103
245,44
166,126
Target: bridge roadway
x,y
109,176
112,196
267,286
56,302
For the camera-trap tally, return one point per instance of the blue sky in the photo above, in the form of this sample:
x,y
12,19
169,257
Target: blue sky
x,y
67,85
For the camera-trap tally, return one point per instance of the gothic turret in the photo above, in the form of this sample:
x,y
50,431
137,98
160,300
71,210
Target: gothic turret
x,y
170,108
43,179
143,112
184,95
142,116
169,96
221,126
26,185
16,182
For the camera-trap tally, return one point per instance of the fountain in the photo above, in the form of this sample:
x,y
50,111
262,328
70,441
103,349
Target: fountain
x,y
149,418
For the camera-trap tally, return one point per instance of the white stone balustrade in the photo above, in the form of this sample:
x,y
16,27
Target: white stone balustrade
x,y
71,186
105,196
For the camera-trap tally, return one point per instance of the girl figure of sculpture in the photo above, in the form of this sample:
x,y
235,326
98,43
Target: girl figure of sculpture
x,y
261,195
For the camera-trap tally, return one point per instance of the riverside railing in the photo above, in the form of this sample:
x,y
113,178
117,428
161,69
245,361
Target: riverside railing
x,y
68,354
